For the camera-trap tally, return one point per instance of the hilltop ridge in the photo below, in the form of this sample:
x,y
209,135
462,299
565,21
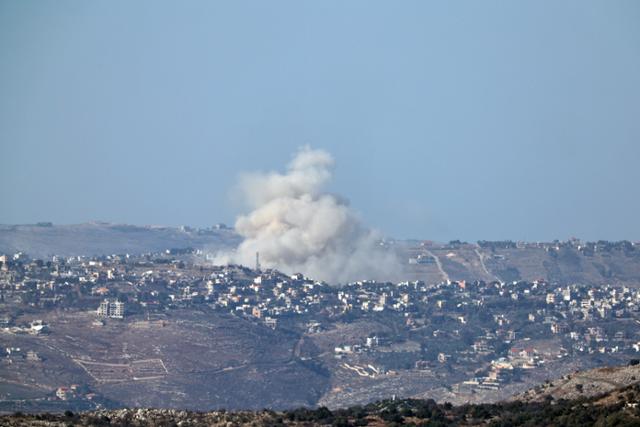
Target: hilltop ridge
x,y
102,238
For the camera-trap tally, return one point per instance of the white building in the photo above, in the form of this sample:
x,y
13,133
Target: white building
x,y
111,308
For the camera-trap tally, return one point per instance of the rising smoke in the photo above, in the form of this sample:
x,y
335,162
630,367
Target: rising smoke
x,y
296,227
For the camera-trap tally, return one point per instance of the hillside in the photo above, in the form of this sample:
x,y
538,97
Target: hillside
x,y
97,238
184,359
563,263
617,407
583,384
186,329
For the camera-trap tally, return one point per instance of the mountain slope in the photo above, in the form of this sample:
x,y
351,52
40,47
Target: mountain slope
x,y
583,384
104,239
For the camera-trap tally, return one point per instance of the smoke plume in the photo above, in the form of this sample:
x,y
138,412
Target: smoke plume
x,y
296,227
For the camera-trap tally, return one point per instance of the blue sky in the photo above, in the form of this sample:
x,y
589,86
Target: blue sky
x,y
470,120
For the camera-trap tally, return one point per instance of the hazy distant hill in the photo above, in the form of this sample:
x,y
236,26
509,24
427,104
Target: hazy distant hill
x,y
97,238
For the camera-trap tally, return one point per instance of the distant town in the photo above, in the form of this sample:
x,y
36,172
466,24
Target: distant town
x,y
467,339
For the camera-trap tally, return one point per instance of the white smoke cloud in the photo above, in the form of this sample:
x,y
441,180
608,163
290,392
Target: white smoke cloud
x,y
296,227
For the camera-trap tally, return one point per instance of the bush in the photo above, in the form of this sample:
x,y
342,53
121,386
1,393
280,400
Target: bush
x,y
391,415
480,412
323,413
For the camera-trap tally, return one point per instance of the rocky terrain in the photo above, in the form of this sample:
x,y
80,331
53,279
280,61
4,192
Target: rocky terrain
x,y
583,384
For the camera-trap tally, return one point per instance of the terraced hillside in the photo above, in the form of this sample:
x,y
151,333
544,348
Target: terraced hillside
x,y
186,359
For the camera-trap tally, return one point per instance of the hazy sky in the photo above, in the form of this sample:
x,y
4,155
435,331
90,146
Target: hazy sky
x,y
470,120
